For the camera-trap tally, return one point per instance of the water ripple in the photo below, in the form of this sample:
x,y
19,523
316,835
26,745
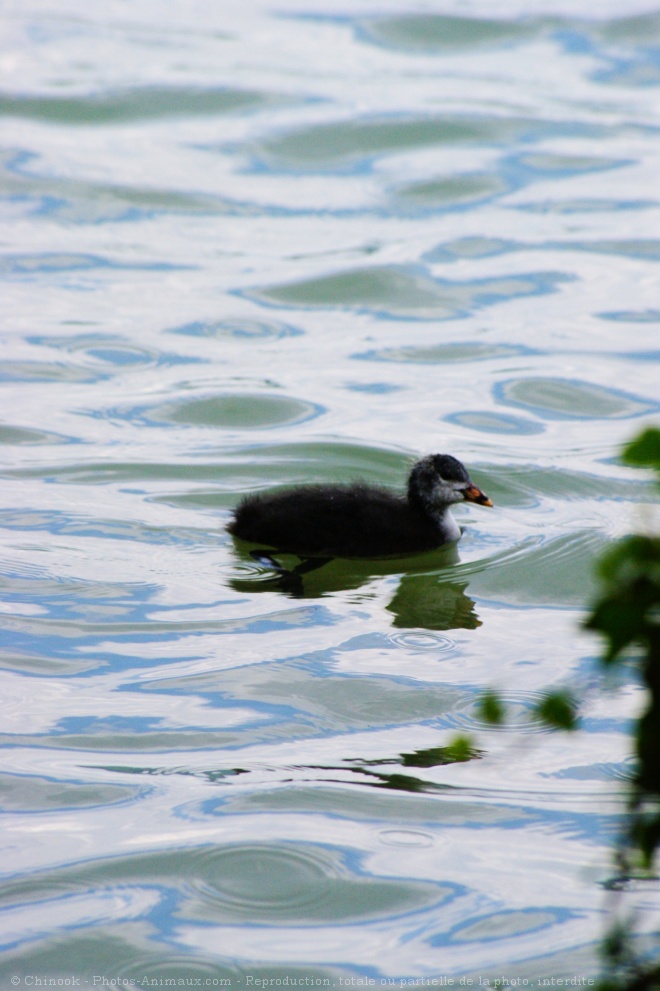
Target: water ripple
x,y
395,291
559,398
202,765
139,103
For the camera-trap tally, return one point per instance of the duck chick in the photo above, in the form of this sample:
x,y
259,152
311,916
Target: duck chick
x,y
360,520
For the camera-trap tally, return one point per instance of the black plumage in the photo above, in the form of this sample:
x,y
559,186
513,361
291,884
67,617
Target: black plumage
x,y
361,520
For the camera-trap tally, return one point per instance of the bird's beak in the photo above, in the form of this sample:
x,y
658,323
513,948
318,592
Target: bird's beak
x,y
473,494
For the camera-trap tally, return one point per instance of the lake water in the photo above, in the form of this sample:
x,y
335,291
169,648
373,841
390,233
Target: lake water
x,y
249,244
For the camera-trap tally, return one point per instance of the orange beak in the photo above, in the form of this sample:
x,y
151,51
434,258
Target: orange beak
x,y
473,494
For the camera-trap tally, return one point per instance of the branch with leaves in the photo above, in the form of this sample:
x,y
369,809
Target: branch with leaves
x,y
627,614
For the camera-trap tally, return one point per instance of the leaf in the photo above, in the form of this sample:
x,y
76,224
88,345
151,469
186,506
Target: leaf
x,y
644,451
490,708
558,709
627,611
460,749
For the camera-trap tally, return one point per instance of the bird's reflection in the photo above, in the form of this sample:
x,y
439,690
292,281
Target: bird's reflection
x,y
425,598
428,602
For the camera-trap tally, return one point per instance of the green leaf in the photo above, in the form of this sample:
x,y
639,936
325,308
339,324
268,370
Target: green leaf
x,y
647,834
490,708
558,709
460,749
644,451
627,611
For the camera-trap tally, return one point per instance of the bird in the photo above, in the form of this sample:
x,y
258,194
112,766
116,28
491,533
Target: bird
x,y
359,520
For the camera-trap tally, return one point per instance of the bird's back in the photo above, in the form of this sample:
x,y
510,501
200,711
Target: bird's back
x,y
335,520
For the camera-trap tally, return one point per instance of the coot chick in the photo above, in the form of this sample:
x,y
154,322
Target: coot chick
x,y
361,520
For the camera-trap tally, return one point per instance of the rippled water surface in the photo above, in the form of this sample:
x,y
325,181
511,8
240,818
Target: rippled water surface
x,y
250,244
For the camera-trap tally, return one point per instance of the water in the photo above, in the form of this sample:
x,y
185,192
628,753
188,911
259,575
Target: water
x,y
254,244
